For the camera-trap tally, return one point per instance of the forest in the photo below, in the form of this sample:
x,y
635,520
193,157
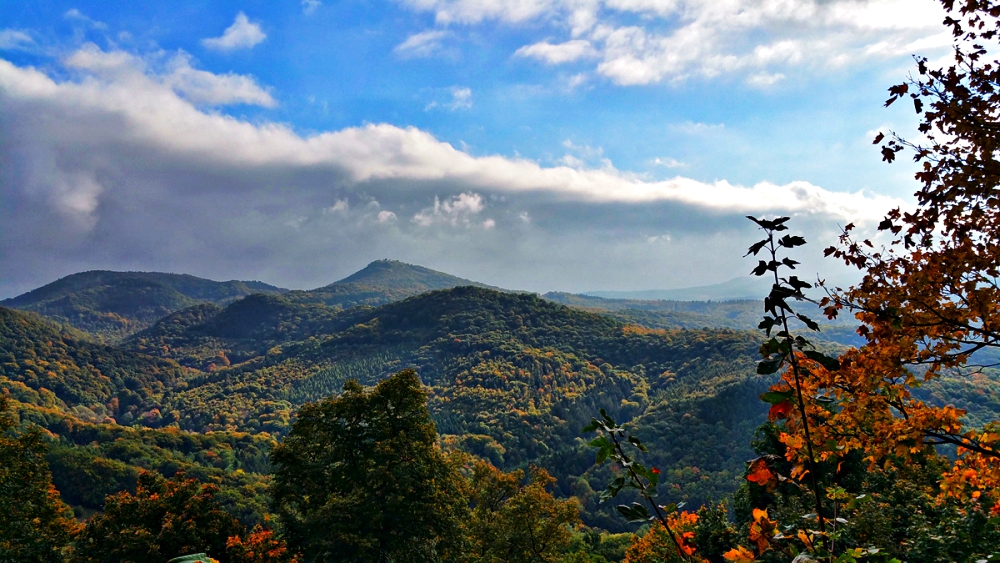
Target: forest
x,y
403,414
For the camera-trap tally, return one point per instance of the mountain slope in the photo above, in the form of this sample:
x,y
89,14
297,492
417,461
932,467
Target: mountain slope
x,y
46,365
116,304
380,282
512,378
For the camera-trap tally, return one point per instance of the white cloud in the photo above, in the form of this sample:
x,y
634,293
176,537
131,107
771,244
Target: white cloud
x,y
121,167
214,89
153,116
310,6
646,41
422,45
668,162
456,211
559,53
77,15
243,34
340,206
697,128
461,98
764,79
199,86
13,39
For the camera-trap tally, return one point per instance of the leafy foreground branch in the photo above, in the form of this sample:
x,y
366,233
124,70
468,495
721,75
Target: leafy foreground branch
x,y
635,476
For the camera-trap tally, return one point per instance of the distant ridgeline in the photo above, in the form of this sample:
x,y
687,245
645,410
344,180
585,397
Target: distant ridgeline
x,y
220,368
115,305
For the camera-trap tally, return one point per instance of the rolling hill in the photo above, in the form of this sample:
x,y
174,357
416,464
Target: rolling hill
x,y
511,378
114,305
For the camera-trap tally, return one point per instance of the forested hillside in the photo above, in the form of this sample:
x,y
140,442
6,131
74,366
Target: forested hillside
x,y
116,304
511,378
742,314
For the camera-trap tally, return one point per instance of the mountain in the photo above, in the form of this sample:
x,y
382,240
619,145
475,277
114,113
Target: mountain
x,y
736,288
380,282
116,304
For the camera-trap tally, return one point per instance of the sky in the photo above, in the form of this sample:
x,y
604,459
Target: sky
x,y
566,145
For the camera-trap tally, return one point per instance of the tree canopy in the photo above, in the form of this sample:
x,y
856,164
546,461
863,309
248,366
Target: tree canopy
x,y
360,478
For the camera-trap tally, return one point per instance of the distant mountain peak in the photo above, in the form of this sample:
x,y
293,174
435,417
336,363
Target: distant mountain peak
x,y
381,268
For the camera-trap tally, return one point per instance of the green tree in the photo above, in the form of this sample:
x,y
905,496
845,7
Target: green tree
x,y
360,478
164,519
517,522
35,524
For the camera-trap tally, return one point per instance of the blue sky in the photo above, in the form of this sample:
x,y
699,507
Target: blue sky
x,y
536,144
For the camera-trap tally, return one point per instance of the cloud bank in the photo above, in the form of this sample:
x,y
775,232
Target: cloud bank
x,y
124,166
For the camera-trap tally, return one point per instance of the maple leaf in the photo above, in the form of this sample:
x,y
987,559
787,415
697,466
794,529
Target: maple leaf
x,y
779,411
761,474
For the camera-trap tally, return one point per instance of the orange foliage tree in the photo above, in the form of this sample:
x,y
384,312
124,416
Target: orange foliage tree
x,y
655,546
928,302
930,297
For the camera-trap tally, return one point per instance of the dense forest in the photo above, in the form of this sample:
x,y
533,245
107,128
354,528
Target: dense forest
x,y
208,391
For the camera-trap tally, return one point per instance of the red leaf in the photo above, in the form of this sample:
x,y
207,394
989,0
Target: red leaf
x,y
779,411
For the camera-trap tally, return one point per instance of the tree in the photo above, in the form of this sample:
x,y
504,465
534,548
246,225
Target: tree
x,y
655,545
35,524
164,519
516,522
929,300
360,478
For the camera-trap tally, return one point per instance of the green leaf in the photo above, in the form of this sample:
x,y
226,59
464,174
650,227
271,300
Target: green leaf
x,y
634,513
791,241
637,443
761,269
755,248
594,425
602,454
832,364
777,397
600,442
808,322
607,419
766,367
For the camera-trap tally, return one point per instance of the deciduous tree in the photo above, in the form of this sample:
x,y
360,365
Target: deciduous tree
x,y
164,519
35,524
360,478
516,522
